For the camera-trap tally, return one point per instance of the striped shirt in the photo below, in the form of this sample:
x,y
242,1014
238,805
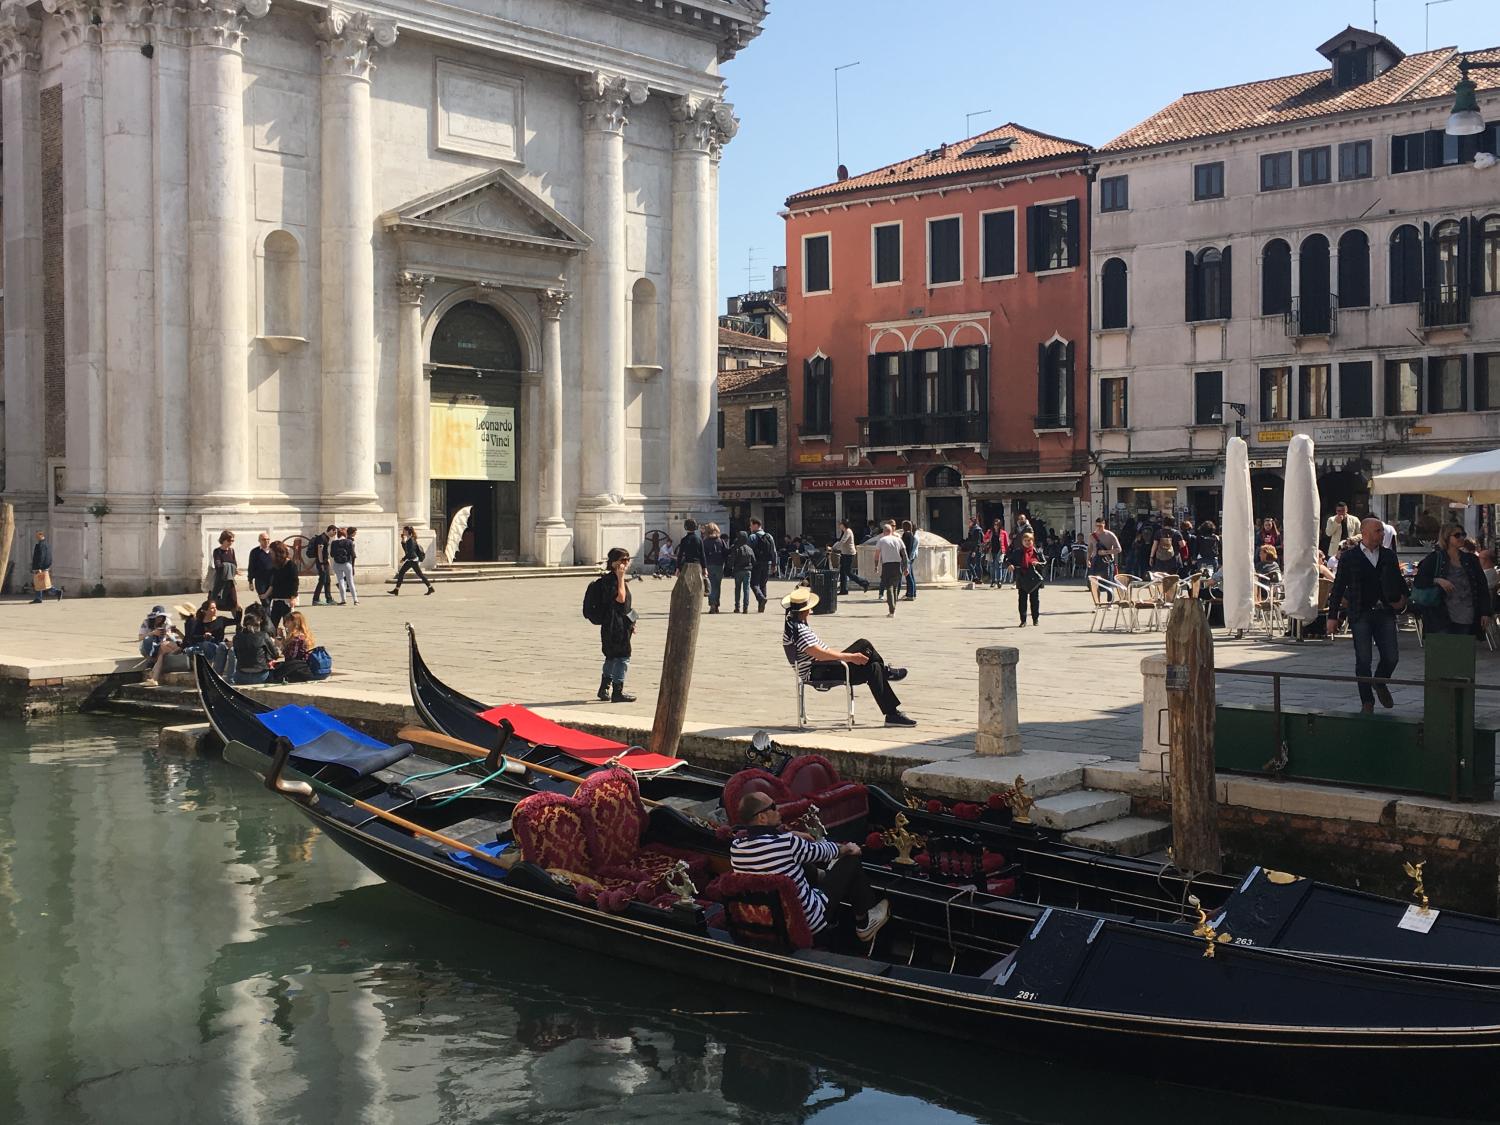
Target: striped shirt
x,y
775,851
796,641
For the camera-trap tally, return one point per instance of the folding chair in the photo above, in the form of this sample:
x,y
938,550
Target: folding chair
x,y
803,685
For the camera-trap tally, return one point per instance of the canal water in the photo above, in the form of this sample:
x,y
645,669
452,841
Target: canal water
x,y
178,945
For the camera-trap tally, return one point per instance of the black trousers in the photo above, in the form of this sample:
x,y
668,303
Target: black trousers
x,y
416,568
323,589
1035,597
846,574
846,881
871,674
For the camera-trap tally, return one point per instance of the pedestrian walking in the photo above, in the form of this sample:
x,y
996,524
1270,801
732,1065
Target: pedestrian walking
x,y
285,582
1104,551
608,604
997,543
341,554
1450,588
715,556
911,539
1208,547
41,570
974,544
1026,561
226,569
317,549
848,553
1369,592
891,553
412,558
764,547
742,563
258,571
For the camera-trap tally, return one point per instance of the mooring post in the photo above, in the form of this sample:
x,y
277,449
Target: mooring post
x,y
7,534
677,661
1190,716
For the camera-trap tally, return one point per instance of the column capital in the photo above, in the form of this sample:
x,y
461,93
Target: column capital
x,y
551,302
76,18
20,39
604,98
702,125
349,40
220,23
126,23
411,286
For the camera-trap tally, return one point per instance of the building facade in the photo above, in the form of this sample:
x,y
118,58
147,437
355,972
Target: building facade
x,y
938,339
753,482
256,280
1308,254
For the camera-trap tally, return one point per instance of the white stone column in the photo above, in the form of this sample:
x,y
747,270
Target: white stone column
x,y
21,131
83,248
348,261
604,99
552,539
169,155
699,129
218,258
130,390
413,484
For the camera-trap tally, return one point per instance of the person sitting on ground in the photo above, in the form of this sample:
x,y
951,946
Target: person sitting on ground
x,y
159,639
295,648
764,846
818,664
255,652
204,632
1268,566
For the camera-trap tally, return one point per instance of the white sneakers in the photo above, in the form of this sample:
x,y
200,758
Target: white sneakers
x,y
878,915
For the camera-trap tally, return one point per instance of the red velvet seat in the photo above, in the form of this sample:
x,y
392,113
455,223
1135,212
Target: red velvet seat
x,y
813,778
555,832
762,911
791,808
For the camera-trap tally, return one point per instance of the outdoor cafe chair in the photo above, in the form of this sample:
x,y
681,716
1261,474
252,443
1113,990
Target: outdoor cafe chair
x,y
1118,601
803,685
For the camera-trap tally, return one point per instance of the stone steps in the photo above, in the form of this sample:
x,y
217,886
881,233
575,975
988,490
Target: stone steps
x,y
170,702
1130,835
494,572
1079,808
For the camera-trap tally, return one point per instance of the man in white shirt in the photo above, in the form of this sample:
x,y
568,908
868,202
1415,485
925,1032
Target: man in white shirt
x,y
894,563
844,545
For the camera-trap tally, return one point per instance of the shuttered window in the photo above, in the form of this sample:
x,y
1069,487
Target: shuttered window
x,y
1403,386
1356,399
816,277
1113,309
999,238
1354,160
760,426
887,253
944,251
1208,398
1275,171
1052,236
1208,180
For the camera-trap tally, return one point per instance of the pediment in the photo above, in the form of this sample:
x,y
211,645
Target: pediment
x,y
493,207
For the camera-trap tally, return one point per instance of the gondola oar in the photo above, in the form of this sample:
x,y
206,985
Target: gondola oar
x,y
459,746
301,786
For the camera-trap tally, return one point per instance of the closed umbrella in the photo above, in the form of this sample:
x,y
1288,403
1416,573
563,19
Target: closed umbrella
x,y
1474,479
1239,537
1299,532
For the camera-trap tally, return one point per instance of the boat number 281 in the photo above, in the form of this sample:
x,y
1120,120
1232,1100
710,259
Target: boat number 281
x,y
1024,995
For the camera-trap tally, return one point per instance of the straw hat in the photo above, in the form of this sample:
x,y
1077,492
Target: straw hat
x,y
799,599
186,609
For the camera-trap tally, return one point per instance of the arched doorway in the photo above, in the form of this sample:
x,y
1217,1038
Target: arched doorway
x,y
476,363
943,499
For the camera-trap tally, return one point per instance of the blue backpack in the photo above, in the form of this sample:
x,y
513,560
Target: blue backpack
x,y
319,663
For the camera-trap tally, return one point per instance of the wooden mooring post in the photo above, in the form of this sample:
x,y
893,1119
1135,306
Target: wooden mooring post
x,y
677,660
7,537
1190,713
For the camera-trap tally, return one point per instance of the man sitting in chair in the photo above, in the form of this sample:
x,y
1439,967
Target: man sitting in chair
x,y
764,846
817,664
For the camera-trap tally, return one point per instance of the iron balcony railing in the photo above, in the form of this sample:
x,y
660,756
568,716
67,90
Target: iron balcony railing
x,y
1312,317
1444,306
965,427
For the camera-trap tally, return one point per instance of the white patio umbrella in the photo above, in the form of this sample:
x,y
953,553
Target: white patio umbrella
x,y
1299,532
1239,537
1474,479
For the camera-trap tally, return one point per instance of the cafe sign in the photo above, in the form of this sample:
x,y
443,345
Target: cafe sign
x,y
469,441
841,484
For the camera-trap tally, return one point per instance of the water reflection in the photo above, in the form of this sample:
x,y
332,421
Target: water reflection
x,y
178,945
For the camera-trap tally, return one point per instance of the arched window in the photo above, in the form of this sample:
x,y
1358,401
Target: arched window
x,y
944,476
1054,406
1406,265
1276,278
817,390
1208,284
282,282
1354,270
476,337
1112,295
1489,254
643,322
1314,299
1447,238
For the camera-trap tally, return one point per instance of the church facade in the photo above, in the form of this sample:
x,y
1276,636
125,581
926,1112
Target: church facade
x,y
271,265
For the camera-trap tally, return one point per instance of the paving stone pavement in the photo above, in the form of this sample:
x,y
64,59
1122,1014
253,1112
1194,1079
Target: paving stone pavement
x,y
526,641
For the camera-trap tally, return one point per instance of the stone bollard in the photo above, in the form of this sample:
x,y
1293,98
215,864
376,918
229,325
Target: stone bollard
x,y
999,713
1154,742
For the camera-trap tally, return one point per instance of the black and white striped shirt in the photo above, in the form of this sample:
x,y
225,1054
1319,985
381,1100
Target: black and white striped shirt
x,y
775,851
797,639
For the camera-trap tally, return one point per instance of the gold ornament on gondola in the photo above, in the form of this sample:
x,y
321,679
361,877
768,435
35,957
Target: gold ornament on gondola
x,y
903,841
680,883
914,802
1020,801
1211,937
811,823
1419,892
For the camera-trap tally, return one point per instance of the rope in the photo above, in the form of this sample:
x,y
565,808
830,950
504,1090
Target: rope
x,y
465,790
434,773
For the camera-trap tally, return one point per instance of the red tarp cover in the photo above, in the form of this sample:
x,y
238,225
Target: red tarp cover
x,y
585,747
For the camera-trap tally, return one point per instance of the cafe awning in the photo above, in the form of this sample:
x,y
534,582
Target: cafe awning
x,y
1023,484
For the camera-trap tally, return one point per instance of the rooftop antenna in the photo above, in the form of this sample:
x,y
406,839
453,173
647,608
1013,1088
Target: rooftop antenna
x,y
968,117
838,142
750,268
1427,43
1375,15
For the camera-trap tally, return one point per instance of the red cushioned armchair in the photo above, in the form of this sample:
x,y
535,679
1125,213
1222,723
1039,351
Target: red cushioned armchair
x,y
762,911
791,808
619,819
813,777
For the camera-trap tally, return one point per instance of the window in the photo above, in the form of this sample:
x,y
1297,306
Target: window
x,y
1354,160
1488,271
1054,407
1275,171
1315,296
817,383
1408,152
944,251
1207,282
1208,398
1354,270
1114,193
816,275
1114,412
1403,386
1445,385
1276,278
1208,180
886,397
999,249
1355,399
1487,381
929,364
1406,266
886,251
760,426
721,429
1052,236
1313,391
972,391
1112,294
1352,67
1275,394
1314,166
1447,238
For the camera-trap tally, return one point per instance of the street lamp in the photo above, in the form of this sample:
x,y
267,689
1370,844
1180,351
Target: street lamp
x,y
1466,120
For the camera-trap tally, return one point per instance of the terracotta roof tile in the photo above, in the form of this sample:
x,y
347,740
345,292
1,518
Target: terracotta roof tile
x,y
1297,97
952,159
730,338
753,380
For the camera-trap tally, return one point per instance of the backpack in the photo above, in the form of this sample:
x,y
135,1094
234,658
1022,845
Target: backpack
x,y
744,557
319,663
764,549
421,554
595,602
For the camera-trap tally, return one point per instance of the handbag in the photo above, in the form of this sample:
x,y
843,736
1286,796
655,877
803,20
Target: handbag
x,y
1030,579
1426,597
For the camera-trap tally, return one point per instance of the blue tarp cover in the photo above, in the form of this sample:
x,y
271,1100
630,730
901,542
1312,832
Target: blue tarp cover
x,y
317,737
477,865
303,724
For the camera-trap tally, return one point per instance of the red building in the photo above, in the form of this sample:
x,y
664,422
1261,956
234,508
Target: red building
x,y
939,334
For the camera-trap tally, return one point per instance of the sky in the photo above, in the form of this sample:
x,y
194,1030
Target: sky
x,y
1082,69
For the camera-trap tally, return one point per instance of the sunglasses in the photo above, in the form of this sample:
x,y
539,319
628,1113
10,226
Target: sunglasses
x,y
1458,535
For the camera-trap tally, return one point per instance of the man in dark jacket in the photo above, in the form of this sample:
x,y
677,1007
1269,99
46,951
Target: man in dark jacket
x,y
765,557
617,626
317,550
41,569
261,568
1370,591
690,546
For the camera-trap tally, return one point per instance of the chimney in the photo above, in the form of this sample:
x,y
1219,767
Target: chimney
x,y
843,173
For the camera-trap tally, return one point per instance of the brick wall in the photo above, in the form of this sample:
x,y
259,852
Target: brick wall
x,y
53,352
737,462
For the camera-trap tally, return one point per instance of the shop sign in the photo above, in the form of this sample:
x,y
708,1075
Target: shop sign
x,y
471,441
809,458
841,484
749,494
1353,431
1188,472
1419,430
1266,462
1274,435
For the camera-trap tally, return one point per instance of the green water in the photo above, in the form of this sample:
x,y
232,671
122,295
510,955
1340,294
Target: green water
x,y
177,945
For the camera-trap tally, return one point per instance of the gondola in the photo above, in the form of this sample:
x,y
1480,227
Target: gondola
x,y
1002,975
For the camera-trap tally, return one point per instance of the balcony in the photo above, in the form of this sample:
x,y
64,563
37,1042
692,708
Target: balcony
x,y
1312,316
1446,306
924,431
1062,421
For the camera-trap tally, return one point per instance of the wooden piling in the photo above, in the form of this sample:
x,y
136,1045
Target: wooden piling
x,y
677,661
1190,710
7,538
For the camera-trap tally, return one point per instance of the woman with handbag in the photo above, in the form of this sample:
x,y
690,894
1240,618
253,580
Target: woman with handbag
x,y
1449,588
1026,561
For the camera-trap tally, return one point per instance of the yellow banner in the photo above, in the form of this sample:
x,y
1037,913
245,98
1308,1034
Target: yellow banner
x,y
472,442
